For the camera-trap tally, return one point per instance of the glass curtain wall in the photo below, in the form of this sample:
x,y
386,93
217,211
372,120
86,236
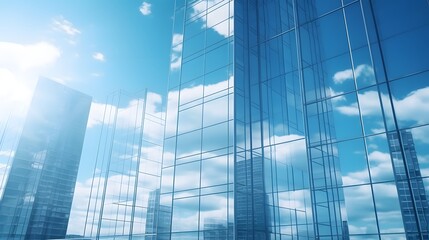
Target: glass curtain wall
x,y
198,161
325,128
124,197
272,192
39,189
363,74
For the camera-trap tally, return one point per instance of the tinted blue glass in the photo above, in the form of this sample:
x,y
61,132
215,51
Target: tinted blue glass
x,y
406,53
395,18
37,198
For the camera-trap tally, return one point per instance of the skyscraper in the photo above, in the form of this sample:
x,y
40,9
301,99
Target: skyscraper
x,y
39,190
124,198
409,184
279,114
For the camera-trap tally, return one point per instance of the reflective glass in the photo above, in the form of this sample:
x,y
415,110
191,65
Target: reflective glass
x,y
360,210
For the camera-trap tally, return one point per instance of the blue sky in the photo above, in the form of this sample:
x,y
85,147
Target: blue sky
x,y
92,46
98,47
102,47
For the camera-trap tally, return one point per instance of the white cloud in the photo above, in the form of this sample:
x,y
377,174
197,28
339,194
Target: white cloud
x,y
176,55
350,110
12,91
20,67
145,8
191,119
99,56
363,70
332,93
177,39
4,169
342,76
63,25
7,153
216,16
412,107
130,115
27,56
176,61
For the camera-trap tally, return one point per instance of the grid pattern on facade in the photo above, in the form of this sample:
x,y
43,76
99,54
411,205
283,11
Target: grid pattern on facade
x,y
39,189
124,194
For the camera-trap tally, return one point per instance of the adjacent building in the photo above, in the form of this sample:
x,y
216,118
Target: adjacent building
x,y
39,190
281,114
124,198
409,184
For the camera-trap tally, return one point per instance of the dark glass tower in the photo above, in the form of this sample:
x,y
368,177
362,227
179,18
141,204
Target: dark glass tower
x,y
39,190
280,117
409,184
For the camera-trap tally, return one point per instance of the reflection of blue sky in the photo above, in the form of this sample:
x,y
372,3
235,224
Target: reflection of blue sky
x,y
359,159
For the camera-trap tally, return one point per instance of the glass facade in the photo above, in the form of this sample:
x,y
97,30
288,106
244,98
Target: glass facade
x,y
39,190
290,119
124,196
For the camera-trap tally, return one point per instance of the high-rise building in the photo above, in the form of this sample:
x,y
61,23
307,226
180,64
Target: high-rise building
x,y
158,218
124,197
279,117
39,190
409,184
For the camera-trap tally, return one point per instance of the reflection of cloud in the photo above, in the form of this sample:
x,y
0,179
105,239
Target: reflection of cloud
x,y
65,26
145,8
360,211
217,15
99,56
412,107
7,153
126,115
118,192
362,70
4,169
176,55
290,150
369,104
381,168
192,119
26,56
333,93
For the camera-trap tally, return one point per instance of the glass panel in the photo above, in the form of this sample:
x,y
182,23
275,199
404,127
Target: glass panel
x,y
213,212
355,26
215,137
410,100
190,119
416,144
216,111
194,45
188,143
395,18
311,9
406,53
353,162
185,215
217,58
360,210
347,123
380,162
370,110
192,69
363,69
388,209
324,38
187,176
